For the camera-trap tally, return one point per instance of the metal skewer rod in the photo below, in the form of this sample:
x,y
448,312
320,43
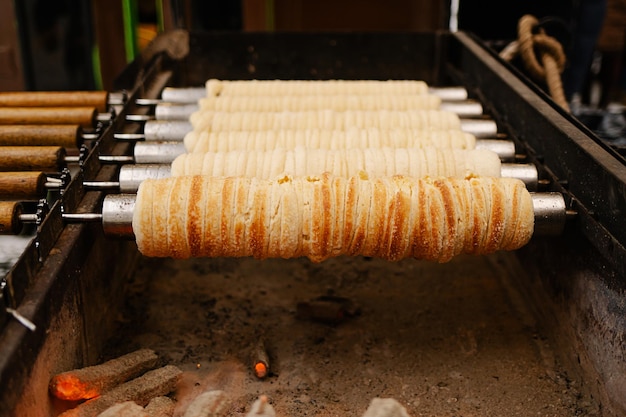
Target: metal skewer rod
x,y
174,111
479,127
170,130
159,130
51,158
551,215
193,94
179,111
131,176
55,158
157,152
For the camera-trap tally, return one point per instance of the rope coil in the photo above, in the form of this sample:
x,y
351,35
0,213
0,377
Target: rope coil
x,y
551,63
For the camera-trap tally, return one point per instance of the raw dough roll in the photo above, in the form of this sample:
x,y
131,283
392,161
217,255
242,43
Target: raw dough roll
x,y
324,216
373,162
324,119
327,139
216,87
320,102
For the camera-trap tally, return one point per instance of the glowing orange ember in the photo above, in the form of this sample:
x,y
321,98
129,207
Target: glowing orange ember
x,y
70,388
260,370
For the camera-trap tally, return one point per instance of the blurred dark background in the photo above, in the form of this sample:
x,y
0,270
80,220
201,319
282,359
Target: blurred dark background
x,y
85,44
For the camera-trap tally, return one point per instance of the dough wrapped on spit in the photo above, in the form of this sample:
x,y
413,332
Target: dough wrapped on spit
x,y
381,162
324,119
216,87
201,142
265,140
320,102
326,216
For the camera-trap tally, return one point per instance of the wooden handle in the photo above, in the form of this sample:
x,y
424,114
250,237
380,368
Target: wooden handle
x,y
97,99
25,185
32,158
10,217
83,116
67,136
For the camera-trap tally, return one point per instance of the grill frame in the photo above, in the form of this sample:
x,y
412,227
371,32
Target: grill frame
x,y
597,192
63,279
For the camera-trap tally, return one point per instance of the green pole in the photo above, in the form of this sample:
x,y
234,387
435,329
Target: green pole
x,y
159,16
97,70
129,13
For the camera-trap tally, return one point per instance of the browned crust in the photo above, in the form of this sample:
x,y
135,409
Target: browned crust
x,y
258,227
496,228
177,220
195,216
226,215
320,218
391,218
375,230
436,221
400,218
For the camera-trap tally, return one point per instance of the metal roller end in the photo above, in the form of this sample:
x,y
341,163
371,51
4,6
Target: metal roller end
x,y
449,93
174,111
463,108
526,172
117,215
172,130
183,95
550,213
481,128
158,152
504,148
131,176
